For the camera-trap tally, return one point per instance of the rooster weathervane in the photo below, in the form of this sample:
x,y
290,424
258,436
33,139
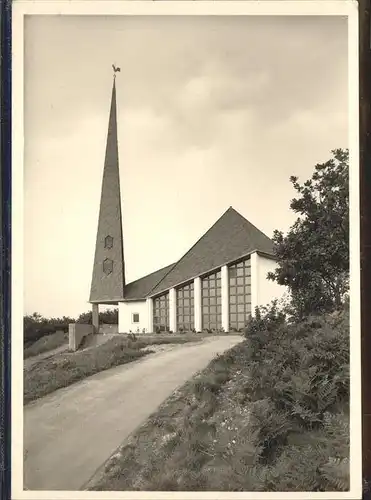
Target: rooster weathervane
x,y
116,69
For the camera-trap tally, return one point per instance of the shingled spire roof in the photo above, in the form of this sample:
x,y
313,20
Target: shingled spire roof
x,y
108,281
231,237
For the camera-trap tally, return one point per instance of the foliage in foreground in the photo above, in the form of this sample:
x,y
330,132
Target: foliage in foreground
x,y
313,257
271,414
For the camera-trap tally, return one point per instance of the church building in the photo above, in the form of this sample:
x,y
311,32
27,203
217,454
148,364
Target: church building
x,y
215,286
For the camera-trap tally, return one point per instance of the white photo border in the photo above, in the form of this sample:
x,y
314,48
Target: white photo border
x,y
20,9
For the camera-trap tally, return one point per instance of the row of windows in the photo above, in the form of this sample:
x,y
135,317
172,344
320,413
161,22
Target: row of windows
x,y
185,321
239,302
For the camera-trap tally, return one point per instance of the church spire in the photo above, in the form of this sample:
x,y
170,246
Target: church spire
x,y
108,281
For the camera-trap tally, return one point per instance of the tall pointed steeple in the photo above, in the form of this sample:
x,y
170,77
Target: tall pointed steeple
x,y
108,281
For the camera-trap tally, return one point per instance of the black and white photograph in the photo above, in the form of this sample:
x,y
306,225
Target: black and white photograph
x,y
186,250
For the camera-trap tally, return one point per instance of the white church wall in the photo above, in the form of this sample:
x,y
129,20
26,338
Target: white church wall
x,y
172,310
225,298
197,304
266,290
149,306
254,281
126,312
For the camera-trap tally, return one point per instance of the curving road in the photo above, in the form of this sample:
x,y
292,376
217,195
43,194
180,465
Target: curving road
x,y
70,433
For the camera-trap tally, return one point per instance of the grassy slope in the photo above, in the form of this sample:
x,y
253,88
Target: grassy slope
x,y
268,420
46,343
66,368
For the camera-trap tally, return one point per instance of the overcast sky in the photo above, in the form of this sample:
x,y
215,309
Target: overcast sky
x,y
212,112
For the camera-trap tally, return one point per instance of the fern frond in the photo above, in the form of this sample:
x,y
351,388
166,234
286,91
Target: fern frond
x,y
336,473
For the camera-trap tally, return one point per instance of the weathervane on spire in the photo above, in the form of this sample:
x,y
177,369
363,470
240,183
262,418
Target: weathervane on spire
x,y
116,69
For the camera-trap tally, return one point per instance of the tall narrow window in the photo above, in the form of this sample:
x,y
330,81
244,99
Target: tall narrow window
x,y
161,313
211,292
185,308
239,294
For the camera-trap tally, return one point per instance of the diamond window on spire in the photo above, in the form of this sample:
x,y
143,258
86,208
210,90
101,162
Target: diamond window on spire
x,y
107,266
108,242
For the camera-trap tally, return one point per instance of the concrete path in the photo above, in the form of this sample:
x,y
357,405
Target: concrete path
x,y
69,434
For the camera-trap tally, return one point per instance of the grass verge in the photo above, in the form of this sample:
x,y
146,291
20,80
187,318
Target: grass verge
x,y
271,414
67,368
46,343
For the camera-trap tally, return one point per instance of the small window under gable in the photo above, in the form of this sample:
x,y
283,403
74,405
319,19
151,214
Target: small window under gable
x,y
135,317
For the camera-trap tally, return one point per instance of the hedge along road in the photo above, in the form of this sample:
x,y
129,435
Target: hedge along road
x,y
70,433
